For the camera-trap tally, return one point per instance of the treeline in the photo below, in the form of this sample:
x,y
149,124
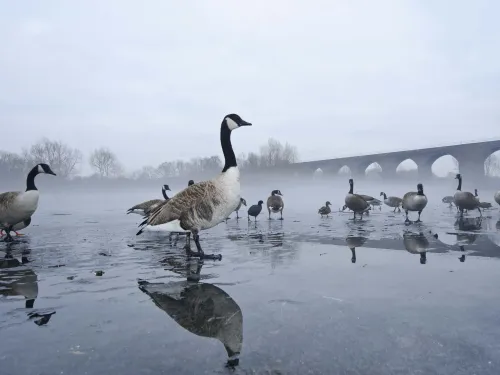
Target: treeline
x,y
67,162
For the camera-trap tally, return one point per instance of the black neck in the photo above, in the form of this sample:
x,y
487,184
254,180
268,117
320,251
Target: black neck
x,y
351,188
227,148
420,191
164,194
475,192
30,180
385,196
459,187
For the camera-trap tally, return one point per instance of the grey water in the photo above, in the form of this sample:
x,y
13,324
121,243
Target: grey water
x,y
80,293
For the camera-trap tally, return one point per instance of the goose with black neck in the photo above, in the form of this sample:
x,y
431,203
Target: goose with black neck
x,y
414,201
465,200
205,204
18,207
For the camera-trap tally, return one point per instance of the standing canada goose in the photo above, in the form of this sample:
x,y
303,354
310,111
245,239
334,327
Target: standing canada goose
x,y
465,200
275,203
145,208
202,309
255,210
482,204
497,197
16,206
242,202
414,201
448,199
205,204
325,210
355,202
393,202
19,226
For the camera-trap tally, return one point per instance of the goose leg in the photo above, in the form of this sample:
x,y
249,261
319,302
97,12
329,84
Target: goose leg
x,y
200,253
353,251
8,237
281,213
407,221
269,213
461,212
237,216
480,213
418,220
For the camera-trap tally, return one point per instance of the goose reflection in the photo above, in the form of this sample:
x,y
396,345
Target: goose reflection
x,y
352,243
417,243
203,309
16,279
463,238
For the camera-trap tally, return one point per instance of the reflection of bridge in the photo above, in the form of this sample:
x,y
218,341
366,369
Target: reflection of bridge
x,y
470,157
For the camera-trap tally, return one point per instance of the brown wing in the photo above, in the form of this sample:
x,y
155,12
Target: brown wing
x,y
147,204
409,194
179,203
6,199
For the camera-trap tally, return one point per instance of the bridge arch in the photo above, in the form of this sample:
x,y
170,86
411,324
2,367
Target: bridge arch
x,y
373,170
492,164
318,173
407,167
445,166
345,170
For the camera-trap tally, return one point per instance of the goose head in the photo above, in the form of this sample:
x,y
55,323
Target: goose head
x,y
328,203
191,182
165,187
233,121
44,168
276,192
458,176
420,189
244,202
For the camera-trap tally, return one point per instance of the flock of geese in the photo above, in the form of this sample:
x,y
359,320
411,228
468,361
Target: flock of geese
x,y
205,204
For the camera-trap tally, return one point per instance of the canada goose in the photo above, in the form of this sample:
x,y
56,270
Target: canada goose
x,y
16,206
393,202
242,202
202,309
482,204
497,197
414,201
19,226
325,210
205,204
145,208
465,200
355,202
255,210
448,199
275,203
417,243
18,280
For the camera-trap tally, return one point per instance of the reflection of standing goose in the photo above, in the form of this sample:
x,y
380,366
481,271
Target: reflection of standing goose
x,y
417,243
352,243
202,309
18,280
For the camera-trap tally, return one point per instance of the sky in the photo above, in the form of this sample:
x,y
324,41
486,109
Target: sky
x,y
152,80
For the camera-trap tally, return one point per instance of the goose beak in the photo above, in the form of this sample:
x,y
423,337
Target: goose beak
x,y
52,173
244,123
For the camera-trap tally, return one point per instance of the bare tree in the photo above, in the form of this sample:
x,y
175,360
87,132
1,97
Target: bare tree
x,y
63,159
105,162
274,154
146,173
12,166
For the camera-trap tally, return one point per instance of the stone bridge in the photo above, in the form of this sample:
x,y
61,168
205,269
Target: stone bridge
x,y
470,157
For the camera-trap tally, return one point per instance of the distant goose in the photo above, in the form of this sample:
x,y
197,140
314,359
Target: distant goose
x,y
356,202
482,204
205,204
145,208
242,202
448,199
17,227
275,203
465,200
255,210
497,197
16,206
325,210
414,201
393,202
202,309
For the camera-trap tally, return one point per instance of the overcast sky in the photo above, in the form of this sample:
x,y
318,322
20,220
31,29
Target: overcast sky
x,y
152,80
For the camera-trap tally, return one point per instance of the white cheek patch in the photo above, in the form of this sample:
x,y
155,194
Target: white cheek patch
x,y
231,124
40,169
